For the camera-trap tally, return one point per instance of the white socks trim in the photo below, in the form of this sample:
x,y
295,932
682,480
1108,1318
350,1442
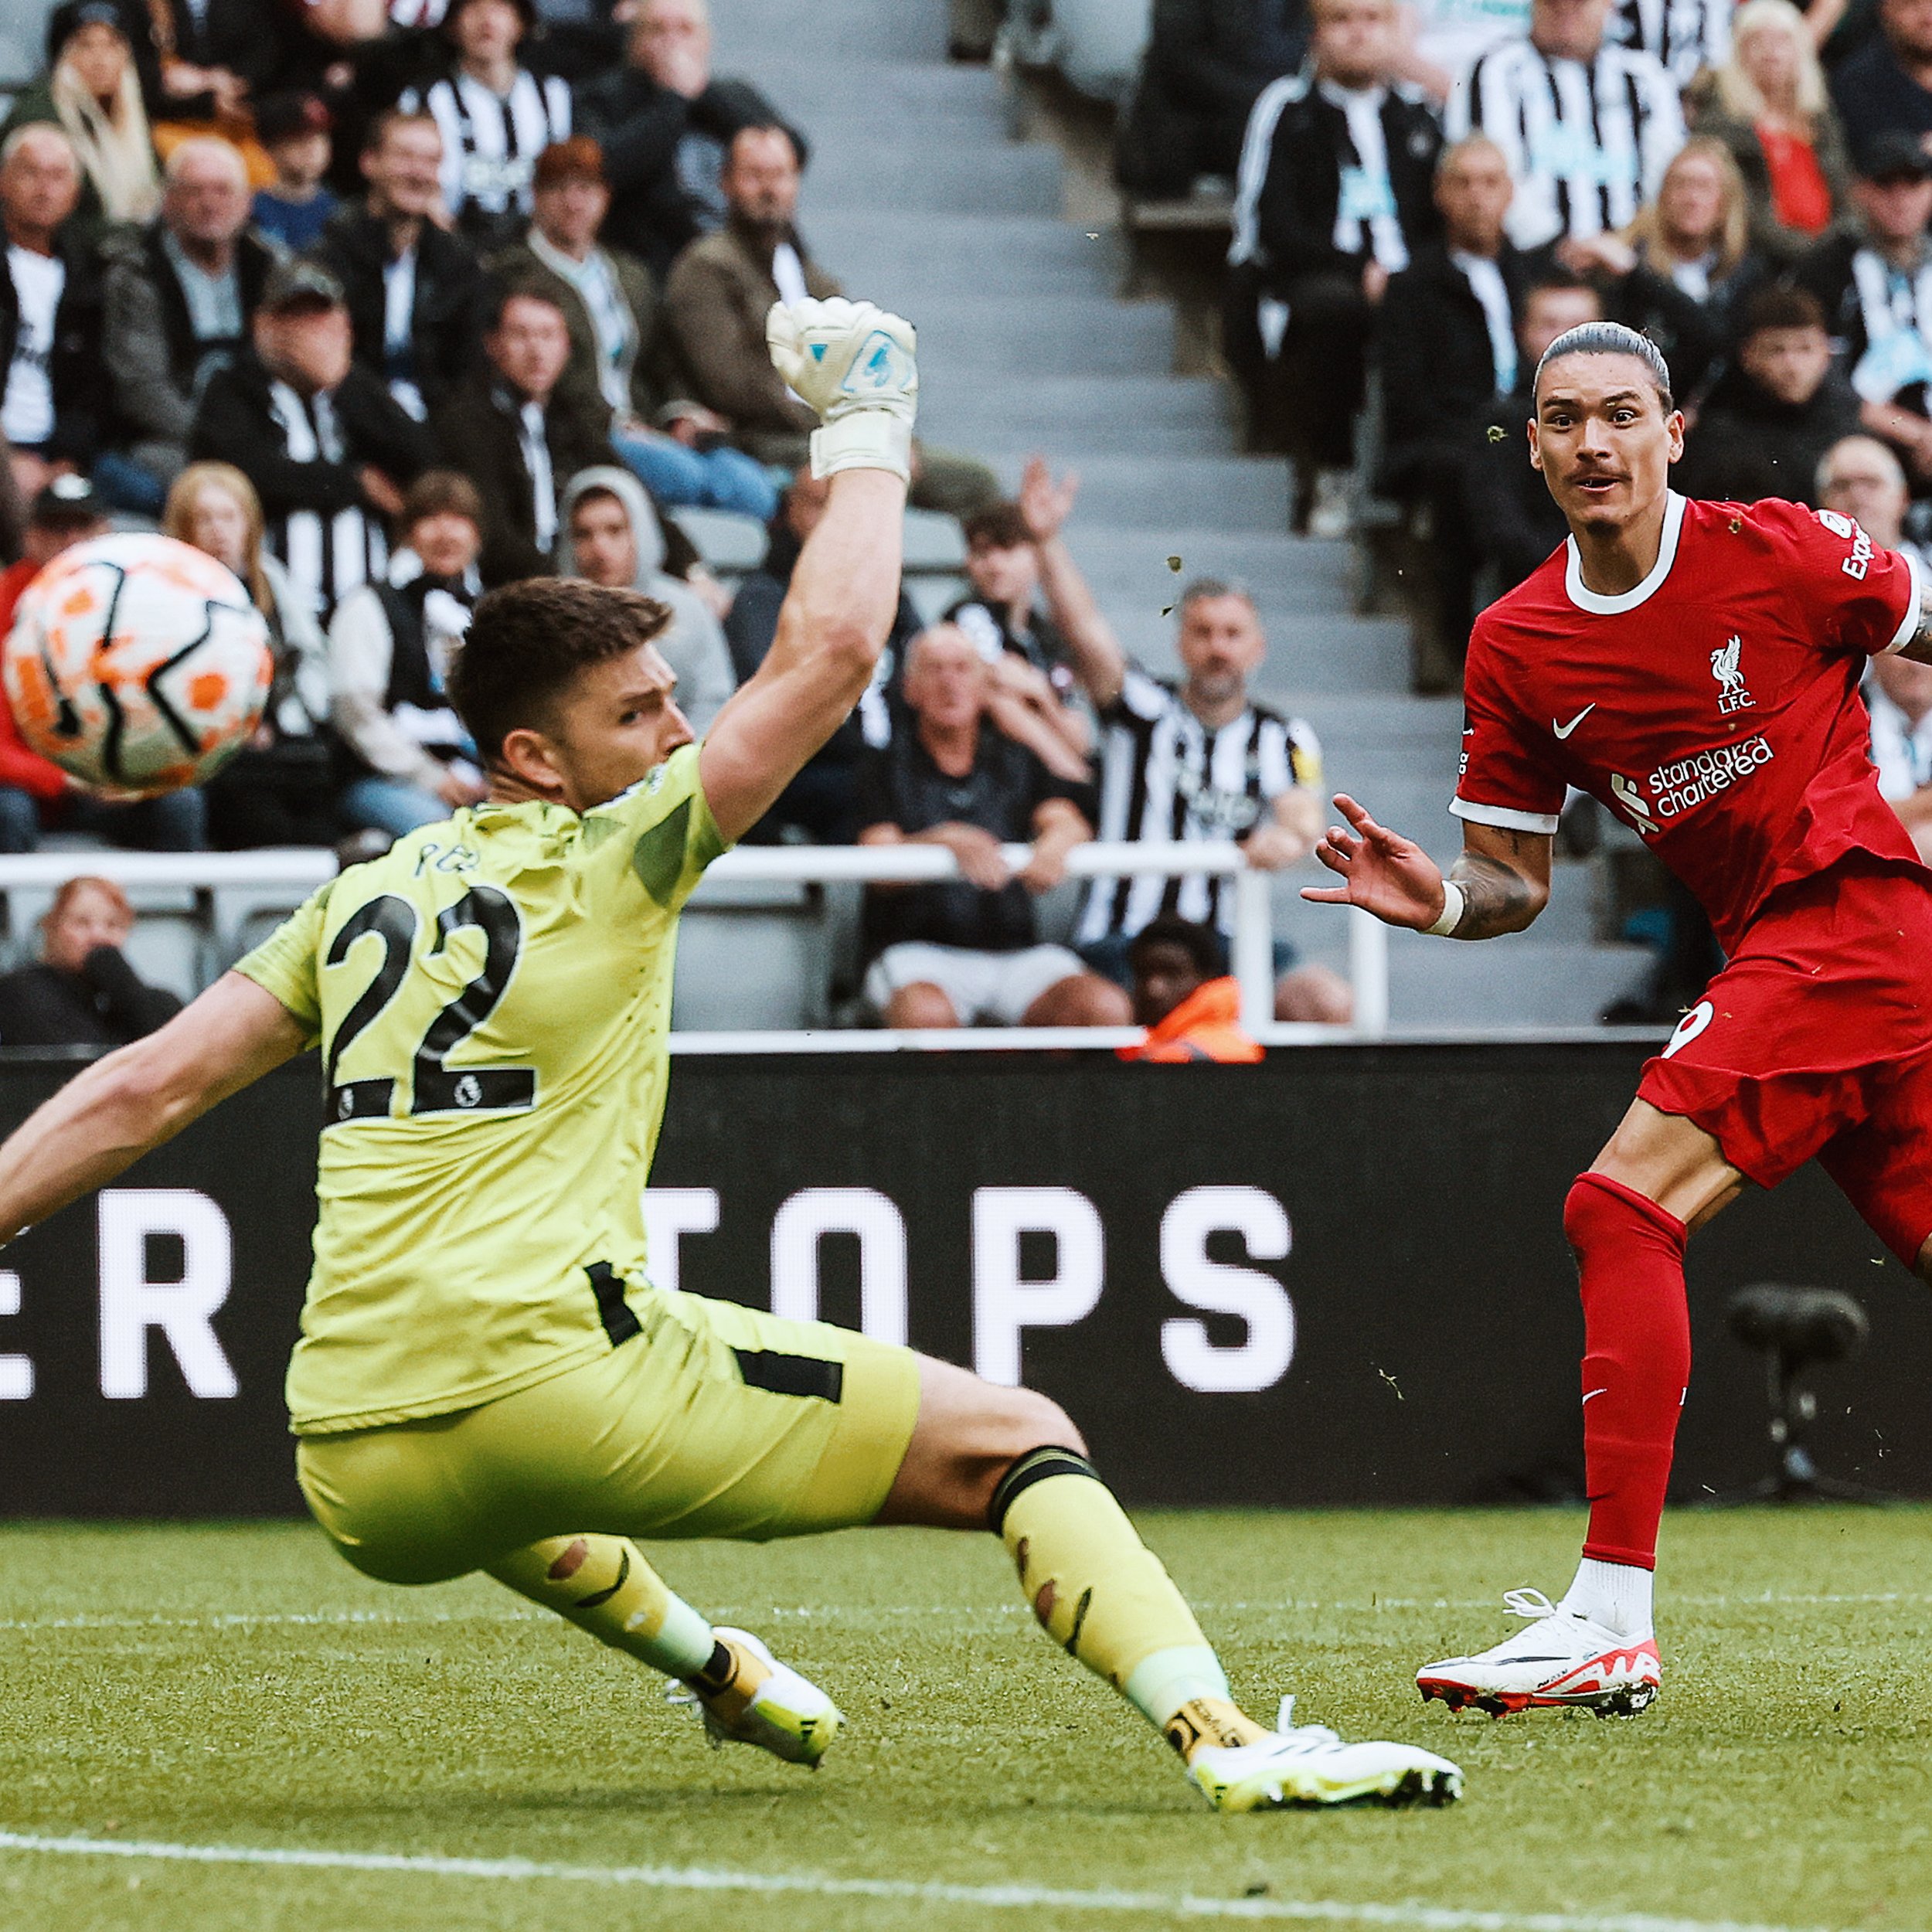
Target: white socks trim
x,y
1616,1595
1161,1683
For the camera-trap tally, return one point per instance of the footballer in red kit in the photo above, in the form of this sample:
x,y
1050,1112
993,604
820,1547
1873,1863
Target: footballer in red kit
x,y
1695,667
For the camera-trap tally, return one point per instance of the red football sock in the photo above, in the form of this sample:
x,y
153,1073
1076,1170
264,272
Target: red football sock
x,y
1636,1360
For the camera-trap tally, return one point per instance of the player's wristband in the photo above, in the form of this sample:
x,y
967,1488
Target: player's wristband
x,y
1453,903
868,439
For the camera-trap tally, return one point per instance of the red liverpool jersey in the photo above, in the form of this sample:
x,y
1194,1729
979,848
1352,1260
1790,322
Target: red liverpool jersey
x,y
1714,708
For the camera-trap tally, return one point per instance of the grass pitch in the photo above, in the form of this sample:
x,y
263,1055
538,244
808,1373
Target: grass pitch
x,y
239,1687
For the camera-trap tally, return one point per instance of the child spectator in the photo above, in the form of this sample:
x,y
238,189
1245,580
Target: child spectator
x,y
83,992
967,950
1777,410
295,130
390,649
1182,995
280,788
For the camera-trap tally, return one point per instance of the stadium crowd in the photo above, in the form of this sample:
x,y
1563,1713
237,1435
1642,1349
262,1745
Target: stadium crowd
x,y
384,307
1426,191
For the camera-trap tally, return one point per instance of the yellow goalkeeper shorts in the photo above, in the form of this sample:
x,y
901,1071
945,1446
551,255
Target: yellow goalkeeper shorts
x,y
714,1420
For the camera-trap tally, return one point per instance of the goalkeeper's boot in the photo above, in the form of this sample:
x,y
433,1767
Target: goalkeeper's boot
x,y
1296,1764
1561,1661
757,1700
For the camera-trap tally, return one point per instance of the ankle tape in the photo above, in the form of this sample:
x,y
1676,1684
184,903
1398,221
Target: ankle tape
x,y
1036,1466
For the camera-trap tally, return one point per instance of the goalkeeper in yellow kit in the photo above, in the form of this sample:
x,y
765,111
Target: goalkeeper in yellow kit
x,y
486,1378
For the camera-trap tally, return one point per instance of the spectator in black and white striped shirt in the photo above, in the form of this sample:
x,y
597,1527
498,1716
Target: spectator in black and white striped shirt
x,y
1587,127
1197,760
326,447
1686,36
496,117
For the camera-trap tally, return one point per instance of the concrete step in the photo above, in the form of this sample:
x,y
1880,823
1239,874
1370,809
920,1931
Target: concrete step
x,y
860,31
943,254
1130,570
1072,418
938,176
1517,980
1308,655
1144,490
1042,335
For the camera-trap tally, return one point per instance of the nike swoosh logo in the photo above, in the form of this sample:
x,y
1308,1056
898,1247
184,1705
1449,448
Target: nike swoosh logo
x,y
1595,1393
1563,731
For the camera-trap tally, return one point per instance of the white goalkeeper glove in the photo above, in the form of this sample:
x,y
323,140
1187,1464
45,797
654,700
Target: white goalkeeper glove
x,y
854,364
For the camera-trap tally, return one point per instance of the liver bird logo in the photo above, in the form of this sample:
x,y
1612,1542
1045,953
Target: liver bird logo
x,y
1724,667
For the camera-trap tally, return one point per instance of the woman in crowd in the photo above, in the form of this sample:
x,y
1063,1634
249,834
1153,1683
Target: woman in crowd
x,y
83,992
1768,105
93,91
280,789
1681,269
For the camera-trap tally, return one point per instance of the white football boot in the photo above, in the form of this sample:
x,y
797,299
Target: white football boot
x,y
1562,1661
1309,1764
767,1703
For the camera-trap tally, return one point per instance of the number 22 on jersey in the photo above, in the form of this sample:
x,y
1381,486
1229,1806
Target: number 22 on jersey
x,y
390,925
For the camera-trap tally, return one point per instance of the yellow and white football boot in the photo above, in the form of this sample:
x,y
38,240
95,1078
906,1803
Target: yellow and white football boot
x,y
1296,1764
763,1702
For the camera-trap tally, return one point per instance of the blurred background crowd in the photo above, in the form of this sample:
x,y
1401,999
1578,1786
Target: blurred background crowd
x,y
385,302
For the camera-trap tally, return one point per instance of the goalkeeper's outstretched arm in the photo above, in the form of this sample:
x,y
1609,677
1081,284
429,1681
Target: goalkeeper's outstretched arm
x,y
854,365
102,1122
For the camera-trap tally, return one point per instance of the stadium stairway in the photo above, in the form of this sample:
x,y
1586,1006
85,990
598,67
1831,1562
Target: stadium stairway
x,y
918,198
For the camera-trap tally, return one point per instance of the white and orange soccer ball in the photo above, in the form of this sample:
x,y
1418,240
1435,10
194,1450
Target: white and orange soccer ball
x,y
136,664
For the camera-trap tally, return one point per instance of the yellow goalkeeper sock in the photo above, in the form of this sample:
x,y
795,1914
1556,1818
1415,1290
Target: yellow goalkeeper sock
x,y
1103,1597
604,1586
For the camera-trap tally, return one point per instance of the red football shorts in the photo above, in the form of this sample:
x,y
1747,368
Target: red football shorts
x,y
1817,1039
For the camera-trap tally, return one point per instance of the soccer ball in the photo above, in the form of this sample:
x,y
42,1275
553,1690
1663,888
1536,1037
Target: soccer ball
x,y
136,664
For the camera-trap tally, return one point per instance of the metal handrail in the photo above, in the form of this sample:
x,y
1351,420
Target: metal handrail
x,y
302,867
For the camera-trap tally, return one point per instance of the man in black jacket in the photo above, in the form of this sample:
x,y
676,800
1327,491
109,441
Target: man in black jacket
x,y
177,296
1336,189
665,125
1448,332
1775,412
53,397
1207,61
327,449
519,437
423,343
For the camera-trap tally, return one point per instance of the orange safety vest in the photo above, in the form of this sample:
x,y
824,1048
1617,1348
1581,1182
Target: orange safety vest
x,y
1206,1025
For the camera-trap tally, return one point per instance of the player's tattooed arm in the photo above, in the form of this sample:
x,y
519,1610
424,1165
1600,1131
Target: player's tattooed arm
x,y
1502,878
1505,880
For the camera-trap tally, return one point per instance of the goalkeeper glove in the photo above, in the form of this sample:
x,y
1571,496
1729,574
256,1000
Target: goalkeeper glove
x,y
853,363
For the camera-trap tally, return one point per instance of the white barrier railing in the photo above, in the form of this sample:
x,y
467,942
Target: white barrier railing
x,y
301,869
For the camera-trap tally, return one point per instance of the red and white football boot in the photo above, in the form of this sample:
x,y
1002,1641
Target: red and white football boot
x,y
1562,1661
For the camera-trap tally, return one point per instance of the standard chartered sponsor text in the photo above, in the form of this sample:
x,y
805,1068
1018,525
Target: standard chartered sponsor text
x,y
1685,782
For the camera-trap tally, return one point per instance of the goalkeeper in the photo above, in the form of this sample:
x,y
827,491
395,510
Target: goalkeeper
x,y
486,1378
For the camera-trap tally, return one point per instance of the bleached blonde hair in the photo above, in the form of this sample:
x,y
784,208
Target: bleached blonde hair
x,y
1735,90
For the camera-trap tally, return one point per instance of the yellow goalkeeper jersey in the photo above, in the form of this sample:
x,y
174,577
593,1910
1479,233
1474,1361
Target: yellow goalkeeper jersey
x,y
492,999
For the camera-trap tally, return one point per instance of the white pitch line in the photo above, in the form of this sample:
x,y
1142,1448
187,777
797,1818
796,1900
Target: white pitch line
x,y
671,1878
